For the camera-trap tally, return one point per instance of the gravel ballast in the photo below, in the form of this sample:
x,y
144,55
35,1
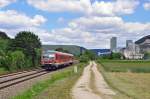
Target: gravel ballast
x,y
14,90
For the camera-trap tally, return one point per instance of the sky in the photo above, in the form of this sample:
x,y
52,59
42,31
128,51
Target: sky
x,y
87,23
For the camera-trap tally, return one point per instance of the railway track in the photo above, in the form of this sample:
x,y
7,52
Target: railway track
x,y
16,78
15,73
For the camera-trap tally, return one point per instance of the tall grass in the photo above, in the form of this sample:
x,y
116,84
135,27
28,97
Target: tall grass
x,y
41,86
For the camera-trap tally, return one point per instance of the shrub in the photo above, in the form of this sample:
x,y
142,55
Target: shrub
x,y
17,60
83,59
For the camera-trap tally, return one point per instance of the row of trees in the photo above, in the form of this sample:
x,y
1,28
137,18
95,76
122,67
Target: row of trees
x,y
89,55
112,56
86,56
21,52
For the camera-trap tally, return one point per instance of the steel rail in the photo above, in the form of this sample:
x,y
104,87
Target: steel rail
x,y
31,76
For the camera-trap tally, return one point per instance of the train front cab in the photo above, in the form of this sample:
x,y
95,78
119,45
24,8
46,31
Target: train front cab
x,y
48,61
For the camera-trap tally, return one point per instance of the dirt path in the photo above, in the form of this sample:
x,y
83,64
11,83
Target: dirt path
x,y
91,85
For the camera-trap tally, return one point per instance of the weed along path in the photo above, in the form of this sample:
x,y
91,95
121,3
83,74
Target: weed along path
x,y
91,85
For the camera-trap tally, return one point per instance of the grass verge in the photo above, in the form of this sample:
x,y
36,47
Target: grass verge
x,y
128,85
3,70
62,77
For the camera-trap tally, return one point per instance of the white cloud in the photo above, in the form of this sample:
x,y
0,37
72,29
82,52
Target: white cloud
x,y
146,6
59,5
94,23
13,19
4,3
99,23
90,32
103,28
117,7
85,6
108,25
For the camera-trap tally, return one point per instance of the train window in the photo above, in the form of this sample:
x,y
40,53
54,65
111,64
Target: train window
x,y
51,56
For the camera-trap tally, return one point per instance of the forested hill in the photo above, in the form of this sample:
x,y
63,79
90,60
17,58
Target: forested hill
x,y
73,49
3,35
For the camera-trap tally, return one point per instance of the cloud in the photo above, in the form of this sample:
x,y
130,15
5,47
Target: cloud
x,y
4,3
13,19
103,28
90,32
117,7
108,25
102,8
100,21
146,6
59,5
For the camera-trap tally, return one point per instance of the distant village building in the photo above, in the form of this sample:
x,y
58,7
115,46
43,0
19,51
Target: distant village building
x,y
144,44
113,44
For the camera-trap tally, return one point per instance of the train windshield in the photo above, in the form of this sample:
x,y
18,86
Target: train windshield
x,y
49,55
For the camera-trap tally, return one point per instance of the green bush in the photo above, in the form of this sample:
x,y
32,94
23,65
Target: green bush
x,y
4,61
17,60
112,56
83,59
87,55
116,55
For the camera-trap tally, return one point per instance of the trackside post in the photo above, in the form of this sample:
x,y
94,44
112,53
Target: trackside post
x,y
75,69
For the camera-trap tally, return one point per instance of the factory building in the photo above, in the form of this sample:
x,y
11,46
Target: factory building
x,y
113,44
132,51
101,52
144,44
129,44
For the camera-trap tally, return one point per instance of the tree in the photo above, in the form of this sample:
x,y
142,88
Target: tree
x,y
27,42
116,55
91,55
87,55
147,55
4,44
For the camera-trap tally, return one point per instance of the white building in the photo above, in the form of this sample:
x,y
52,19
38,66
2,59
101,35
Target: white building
x,y
132,52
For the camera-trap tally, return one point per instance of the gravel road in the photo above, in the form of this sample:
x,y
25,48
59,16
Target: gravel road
x,y
92,85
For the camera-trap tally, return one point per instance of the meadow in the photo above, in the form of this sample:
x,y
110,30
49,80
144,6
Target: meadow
x,y
126,66
130,79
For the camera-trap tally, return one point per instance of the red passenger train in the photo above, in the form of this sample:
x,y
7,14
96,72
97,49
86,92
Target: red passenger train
x,y
52,60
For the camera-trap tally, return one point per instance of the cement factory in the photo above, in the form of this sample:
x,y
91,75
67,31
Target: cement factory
x,y
133,50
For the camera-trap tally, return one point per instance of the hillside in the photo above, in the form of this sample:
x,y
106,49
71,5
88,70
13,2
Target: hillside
x,y
73,49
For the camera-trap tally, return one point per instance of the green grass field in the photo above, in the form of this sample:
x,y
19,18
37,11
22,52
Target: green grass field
x,y
130,79
133,85
126,66
57,87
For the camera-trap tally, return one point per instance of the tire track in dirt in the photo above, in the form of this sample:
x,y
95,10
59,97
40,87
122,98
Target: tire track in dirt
x,y
91,85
